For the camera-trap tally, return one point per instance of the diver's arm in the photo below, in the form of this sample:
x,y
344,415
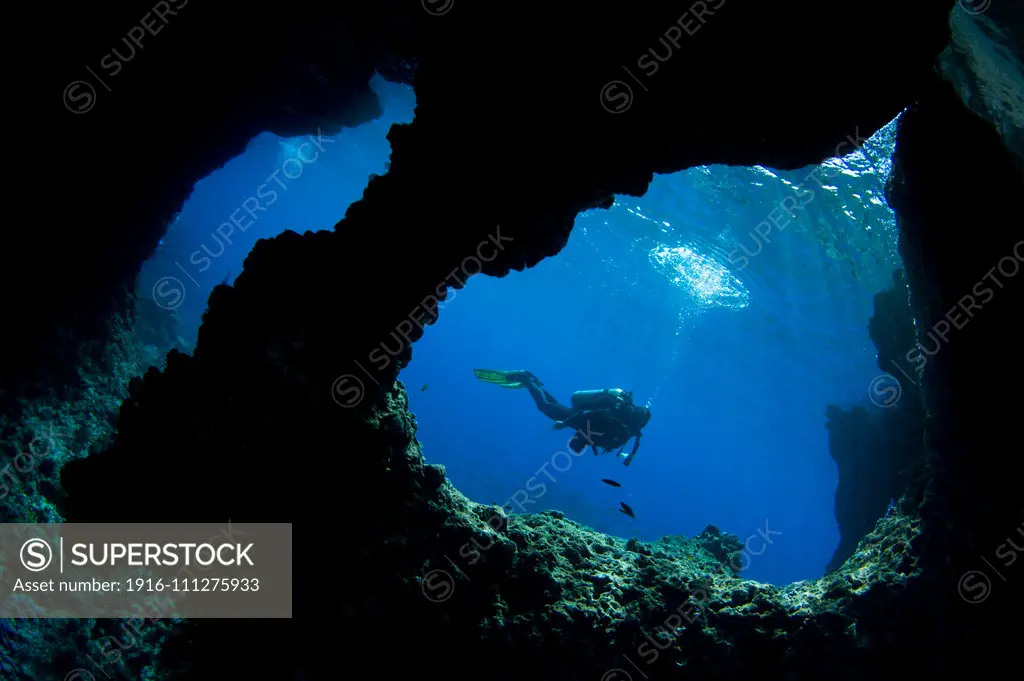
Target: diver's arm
x,y
590,421
574,421
636,445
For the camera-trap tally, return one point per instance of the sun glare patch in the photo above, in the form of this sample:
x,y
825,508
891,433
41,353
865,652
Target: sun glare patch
x,y
707,281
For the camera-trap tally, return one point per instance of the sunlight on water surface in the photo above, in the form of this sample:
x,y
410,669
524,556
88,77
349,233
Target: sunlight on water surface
x,y
707,281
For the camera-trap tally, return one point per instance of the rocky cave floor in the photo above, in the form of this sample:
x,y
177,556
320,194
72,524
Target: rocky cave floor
x,y
624,608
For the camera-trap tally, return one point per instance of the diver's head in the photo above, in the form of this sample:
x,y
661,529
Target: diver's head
x,y
643,416
626,396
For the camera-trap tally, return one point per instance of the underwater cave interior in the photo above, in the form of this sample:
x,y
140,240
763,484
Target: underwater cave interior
x,y
819,318
733,302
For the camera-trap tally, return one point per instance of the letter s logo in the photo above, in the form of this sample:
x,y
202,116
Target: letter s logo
x,y
36,555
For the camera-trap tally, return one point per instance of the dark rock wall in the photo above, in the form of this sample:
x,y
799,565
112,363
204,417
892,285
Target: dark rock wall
x,y
956,192
878,452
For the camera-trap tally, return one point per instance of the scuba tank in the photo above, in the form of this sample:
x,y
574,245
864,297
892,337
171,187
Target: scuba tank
x,y
587,400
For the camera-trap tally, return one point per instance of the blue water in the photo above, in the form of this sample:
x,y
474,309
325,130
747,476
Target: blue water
x,y
737,363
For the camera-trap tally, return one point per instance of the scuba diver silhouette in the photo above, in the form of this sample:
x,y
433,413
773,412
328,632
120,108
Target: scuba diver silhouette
x,y
604,419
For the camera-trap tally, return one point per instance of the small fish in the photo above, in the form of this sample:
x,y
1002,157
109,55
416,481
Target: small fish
x,y
626,509
610,482
425,386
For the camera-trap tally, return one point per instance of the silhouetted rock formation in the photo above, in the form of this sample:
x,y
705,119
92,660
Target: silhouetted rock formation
x,y
510,141
877,451
157,95
955,190
208,77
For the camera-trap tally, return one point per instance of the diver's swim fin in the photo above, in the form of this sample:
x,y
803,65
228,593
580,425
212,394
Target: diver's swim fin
x,y
504,379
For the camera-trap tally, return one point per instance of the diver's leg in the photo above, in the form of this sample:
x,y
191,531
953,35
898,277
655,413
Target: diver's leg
x,y
546,402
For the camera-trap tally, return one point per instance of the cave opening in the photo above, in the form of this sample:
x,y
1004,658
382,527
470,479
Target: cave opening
x,y
734,302
302,183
